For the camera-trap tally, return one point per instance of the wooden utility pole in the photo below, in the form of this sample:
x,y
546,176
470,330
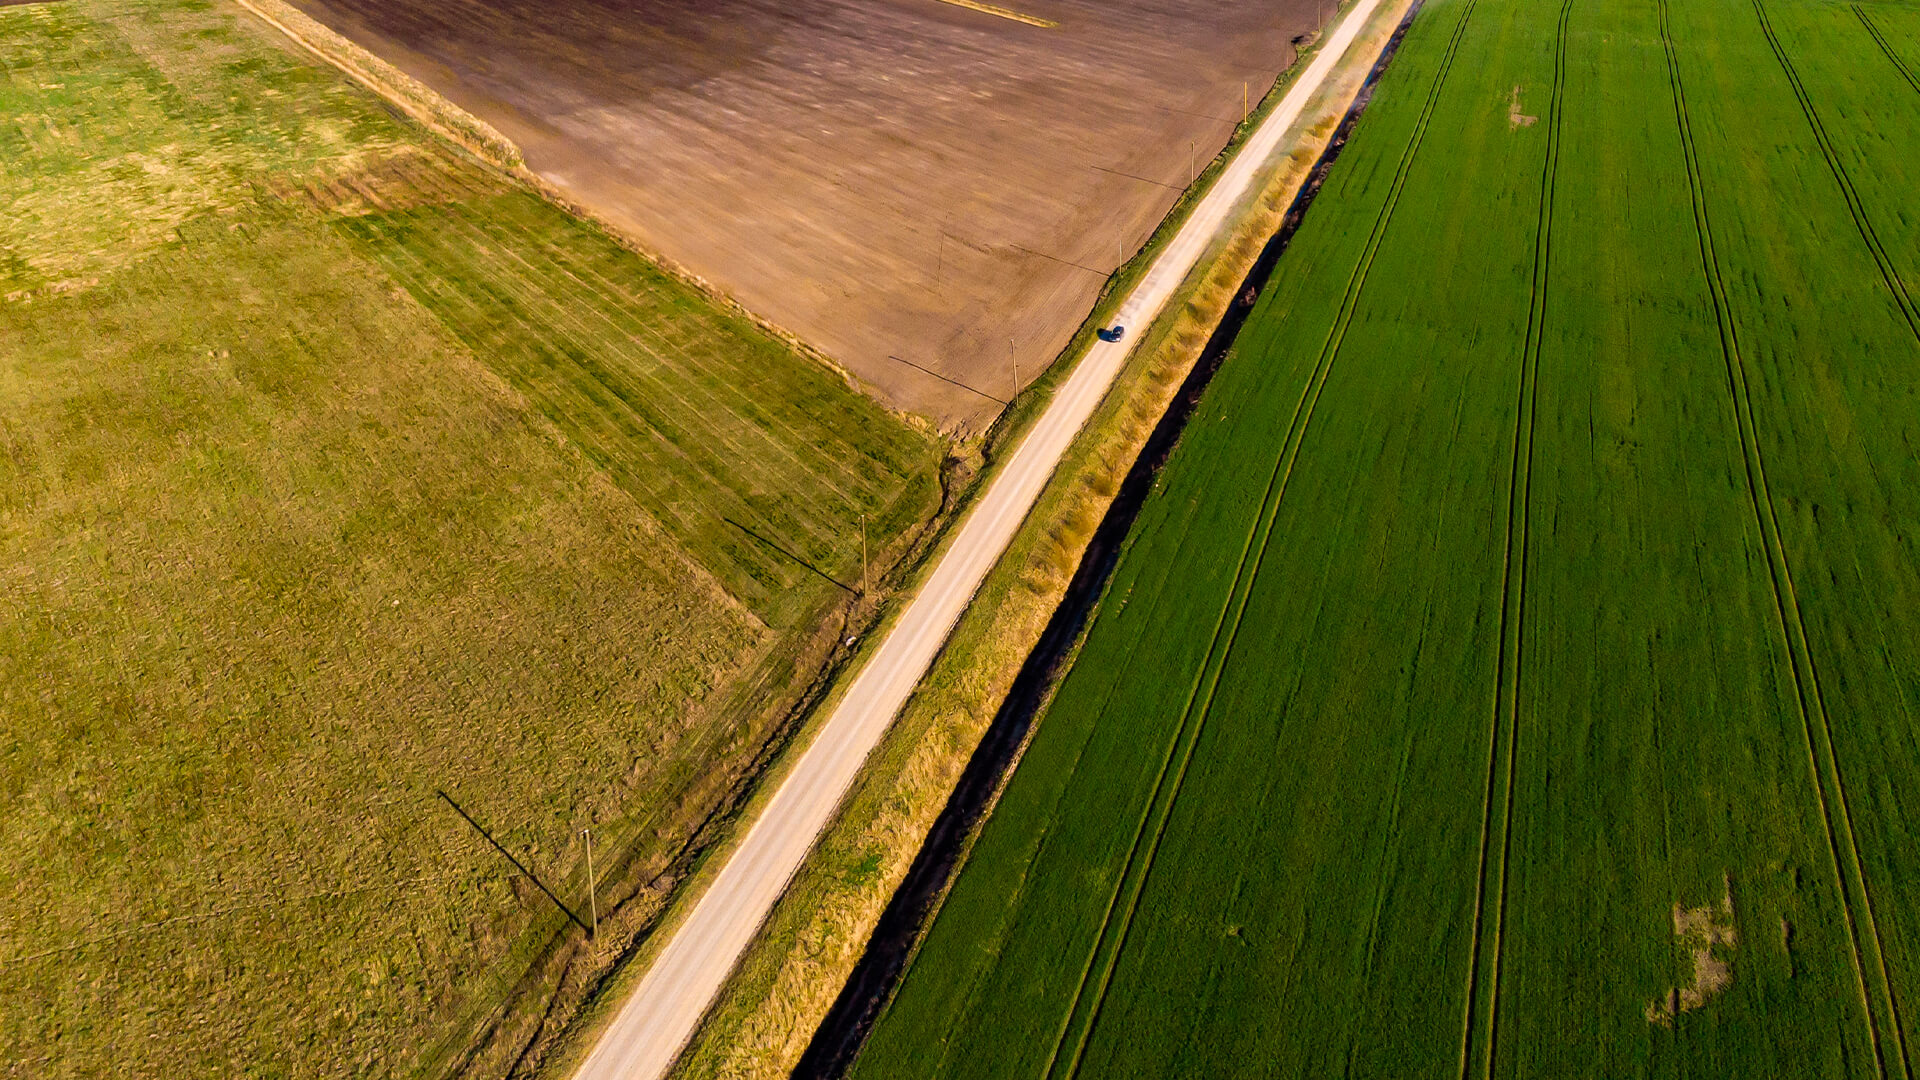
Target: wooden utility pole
x,y
863,554
1245,110
593,898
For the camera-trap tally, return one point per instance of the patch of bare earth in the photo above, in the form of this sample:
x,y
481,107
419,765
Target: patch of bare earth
x,y
1515,118
1708,933
898,182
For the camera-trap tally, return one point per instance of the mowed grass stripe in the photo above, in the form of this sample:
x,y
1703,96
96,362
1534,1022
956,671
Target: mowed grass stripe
x,y
1132,880
1821,762
1855,207
1513,586
687,429
710,453
599,420
817,441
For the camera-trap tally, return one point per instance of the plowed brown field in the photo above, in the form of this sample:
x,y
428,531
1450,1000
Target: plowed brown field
x,y
884,178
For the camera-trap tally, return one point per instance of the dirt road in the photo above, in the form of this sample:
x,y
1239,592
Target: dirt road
x,y
656,1022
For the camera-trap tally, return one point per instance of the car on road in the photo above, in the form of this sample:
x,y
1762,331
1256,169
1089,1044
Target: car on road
x,y
1111,333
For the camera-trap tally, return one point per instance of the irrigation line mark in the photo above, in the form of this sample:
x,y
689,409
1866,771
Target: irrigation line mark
x,y
1197,707
1855,204
1513,589
1780,576
1874,29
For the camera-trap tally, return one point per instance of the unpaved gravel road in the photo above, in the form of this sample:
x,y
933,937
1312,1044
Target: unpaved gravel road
x,y
656,1022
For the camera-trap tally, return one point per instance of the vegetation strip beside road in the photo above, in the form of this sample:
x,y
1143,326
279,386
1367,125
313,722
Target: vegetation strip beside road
x,y
1561,729
647,1034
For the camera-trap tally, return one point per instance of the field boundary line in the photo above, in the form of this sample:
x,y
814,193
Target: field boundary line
x,y
1780,575
1880,40
1855,205
1197,707
420,102
1513,589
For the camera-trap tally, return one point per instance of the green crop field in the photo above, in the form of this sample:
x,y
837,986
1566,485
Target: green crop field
x,y
1514,671
340,469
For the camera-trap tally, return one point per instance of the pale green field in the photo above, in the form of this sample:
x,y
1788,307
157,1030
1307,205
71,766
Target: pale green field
x,y
339,470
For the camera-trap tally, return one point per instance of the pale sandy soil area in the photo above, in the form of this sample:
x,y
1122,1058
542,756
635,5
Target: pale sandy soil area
x,y
884,178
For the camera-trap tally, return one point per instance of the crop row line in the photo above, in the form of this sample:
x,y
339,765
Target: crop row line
x,y
1809,697
1513,589
1855,205
1880,40
1151,827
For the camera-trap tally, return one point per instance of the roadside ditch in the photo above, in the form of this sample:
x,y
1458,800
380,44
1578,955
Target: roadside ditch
x,y
903,922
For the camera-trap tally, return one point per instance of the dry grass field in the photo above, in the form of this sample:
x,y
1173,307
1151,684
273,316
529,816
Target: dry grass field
x,y
884,178
335,470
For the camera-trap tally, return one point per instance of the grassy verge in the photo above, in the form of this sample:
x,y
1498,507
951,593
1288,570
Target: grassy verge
x,y
796,967
414,97
340,468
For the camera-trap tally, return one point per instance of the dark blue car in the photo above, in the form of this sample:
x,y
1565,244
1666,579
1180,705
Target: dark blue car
x,y
1111,333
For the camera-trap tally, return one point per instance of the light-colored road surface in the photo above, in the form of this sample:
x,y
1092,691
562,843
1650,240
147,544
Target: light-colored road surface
x,y
657,1021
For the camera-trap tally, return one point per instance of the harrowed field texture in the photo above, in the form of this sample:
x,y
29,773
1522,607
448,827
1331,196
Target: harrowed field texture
x,y
1514,671
337,468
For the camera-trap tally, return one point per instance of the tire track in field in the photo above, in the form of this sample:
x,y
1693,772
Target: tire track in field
x,y
1111,939
1849,878
1505,720
1880,40
1855,205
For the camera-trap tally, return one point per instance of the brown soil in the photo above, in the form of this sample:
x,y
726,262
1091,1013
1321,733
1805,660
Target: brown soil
x,y
1515,118
1708,933
884,178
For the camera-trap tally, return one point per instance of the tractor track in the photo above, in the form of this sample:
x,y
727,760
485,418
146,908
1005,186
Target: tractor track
x,y
1855,205
1193,715
1809,696
1505,719
1880,40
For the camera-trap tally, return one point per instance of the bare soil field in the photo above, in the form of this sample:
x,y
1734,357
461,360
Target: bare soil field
x,y
892,180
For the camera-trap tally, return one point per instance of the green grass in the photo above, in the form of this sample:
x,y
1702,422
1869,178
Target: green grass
x,y
1538,572
339,469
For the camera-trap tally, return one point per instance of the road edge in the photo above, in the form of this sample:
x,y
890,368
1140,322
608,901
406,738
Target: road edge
x,y
1088,397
